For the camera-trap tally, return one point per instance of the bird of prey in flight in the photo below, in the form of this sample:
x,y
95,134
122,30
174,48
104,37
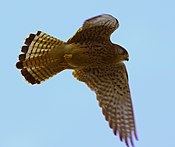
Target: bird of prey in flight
x,y
94,60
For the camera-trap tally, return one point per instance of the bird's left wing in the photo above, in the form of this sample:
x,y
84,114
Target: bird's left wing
x,y
98,28
110,84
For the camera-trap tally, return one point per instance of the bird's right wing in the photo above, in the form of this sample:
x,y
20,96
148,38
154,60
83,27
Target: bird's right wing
x,y
110,84
98,28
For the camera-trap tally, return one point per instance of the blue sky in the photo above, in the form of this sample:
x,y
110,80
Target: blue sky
x,y
63,111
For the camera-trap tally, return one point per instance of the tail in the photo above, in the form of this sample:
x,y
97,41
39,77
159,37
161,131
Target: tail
x,y
38,63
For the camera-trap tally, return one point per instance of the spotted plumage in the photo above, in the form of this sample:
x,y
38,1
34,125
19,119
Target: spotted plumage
x,y
95,60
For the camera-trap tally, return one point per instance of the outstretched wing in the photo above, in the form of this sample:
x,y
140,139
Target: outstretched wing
x,y
98,28
110,84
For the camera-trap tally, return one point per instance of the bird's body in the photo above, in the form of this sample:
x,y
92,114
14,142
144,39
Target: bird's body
x,y
83,55
95,60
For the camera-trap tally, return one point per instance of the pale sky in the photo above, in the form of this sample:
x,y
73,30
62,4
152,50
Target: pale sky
x,y
63,111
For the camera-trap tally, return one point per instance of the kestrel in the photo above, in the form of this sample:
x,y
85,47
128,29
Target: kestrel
x,y
95,60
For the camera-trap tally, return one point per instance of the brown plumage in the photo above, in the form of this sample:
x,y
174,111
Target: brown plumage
x,y
95,60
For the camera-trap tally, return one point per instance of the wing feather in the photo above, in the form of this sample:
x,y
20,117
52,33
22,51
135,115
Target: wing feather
x,y
110,84
98,28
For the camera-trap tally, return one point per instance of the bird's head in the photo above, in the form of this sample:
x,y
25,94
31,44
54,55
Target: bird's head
x,y
121,53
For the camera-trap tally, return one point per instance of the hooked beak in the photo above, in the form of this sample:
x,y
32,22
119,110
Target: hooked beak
x,y
127,58
121,52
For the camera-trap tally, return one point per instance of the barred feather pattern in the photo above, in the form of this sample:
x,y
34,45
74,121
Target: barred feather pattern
x,y
110,84
37,63
97,61
96,29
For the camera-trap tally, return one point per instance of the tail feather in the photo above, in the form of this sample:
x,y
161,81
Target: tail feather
x,y
37,63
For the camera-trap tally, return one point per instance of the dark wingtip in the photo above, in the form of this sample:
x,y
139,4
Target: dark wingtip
x,y
126,142
136,136
131,140
115,131
29,77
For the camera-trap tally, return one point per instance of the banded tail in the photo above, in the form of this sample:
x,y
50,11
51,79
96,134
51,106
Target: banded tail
x,y
38,62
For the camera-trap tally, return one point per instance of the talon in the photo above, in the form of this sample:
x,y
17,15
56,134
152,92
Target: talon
x,y
68,56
